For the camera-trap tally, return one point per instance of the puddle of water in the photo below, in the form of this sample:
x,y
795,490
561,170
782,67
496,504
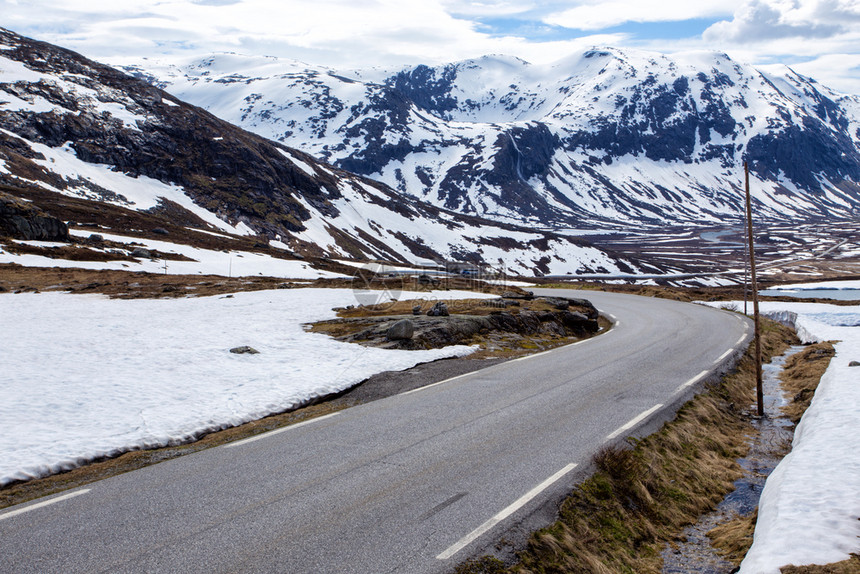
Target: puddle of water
x,y
696,555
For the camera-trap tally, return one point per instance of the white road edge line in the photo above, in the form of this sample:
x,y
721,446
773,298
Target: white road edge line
x,y
535,355
403,394
723,356
691,382
741,340
516,505
633,422
43,503
278,431
512,361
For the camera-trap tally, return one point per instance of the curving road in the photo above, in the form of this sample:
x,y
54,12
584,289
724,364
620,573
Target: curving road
x,y
414,483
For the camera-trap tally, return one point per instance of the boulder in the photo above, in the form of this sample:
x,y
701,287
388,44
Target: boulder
x,y
416,310
440,309
578,321
401,330
244,350
141,252
854,364
528,295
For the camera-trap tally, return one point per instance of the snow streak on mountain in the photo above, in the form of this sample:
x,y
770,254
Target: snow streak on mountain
x,y
606,135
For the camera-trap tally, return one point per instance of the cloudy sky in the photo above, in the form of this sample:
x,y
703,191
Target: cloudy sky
x,y
819,38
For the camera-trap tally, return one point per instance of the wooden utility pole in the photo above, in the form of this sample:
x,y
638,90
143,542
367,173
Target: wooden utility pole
x,y
758,373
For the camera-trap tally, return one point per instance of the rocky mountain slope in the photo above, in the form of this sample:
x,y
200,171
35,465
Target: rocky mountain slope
x,y
603,136
79,128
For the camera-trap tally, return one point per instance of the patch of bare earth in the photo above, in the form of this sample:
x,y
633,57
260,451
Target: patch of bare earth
x,y
501,328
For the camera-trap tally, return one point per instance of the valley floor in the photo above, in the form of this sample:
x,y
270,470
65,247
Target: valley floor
x,y
86,377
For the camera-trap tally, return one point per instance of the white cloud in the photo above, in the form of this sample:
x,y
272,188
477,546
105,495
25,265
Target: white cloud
x,y
366,33
762,20
597,15
841,70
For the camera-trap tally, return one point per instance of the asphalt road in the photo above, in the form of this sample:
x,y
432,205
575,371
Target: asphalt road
x,y
413,483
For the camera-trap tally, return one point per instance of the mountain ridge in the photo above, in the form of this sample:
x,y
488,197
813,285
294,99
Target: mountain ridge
x,y
80,128
604,136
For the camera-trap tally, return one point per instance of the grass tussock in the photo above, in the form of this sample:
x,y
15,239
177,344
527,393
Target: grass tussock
x,y
733,539
639,499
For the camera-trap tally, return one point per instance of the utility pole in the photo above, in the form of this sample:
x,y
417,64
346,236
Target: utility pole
x,y
758,373
746,271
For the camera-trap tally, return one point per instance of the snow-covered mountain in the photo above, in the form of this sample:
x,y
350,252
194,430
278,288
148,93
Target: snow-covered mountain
x,y
79,128
605,135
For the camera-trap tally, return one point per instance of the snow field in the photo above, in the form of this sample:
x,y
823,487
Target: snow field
x,y
85,376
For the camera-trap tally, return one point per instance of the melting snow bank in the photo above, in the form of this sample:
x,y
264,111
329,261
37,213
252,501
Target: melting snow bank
x,y
810,506
85,376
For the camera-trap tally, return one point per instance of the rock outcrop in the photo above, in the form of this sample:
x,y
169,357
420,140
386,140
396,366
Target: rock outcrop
x,y
20,220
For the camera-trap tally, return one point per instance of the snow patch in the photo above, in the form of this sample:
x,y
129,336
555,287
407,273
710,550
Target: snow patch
x,y
146,373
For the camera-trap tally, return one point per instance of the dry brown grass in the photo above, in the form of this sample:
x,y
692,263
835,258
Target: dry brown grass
x,y
732,539
481,307
850,566
135,285
801,376
620,518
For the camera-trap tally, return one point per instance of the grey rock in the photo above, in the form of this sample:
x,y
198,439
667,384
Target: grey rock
x,y
854,364
579,322
23,220
141,252
440,309
160,231
403,329
416,310
245,350
96,237
528,295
